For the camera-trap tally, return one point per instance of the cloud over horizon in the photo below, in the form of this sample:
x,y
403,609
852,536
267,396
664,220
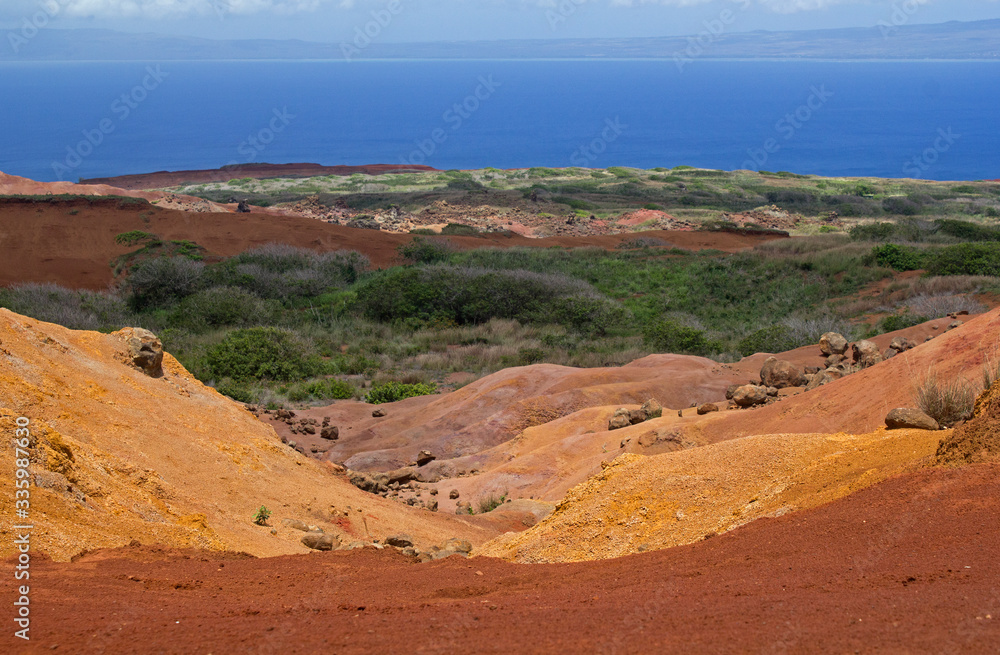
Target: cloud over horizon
x,y
177,8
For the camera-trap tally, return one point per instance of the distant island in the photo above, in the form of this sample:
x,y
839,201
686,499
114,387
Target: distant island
x,y
953,41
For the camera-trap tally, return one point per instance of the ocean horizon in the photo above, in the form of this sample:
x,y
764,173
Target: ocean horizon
x,y
927,119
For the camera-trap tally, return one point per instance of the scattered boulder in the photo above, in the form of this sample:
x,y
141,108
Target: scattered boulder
x,y
295,524
823,378
707,408
463,507
907,418
284,414
652,408
330,432
956,324
637,416
378,413
833,343
833,360
731,391
425,457
772,392
320,541
399,541
889,353
866,354
432,505
781,374
243,207
750,395
368,483
622,418
145,350
453,494
902,344
812,370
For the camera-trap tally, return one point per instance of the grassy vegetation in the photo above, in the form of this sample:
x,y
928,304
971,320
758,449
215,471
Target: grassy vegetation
x,y
278,324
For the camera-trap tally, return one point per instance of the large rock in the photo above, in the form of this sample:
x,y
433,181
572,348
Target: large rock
x,y
907,418
707,408
320,541
866,354
145,350
902,344
425,457
833,343
652,408
330,432
750,395
399,541
823,378
622,418
781,374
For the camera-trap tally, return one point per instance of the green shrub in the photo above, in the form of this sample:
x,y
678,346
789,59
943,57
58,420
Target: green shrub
x,y
238,391
967,231
328,389
133,237
262,353
262,515
774,339
901,206
898,258
221,307
393,391
965,259
281,272
426,251
75,309
156,283
672,337
574,203
460,230
900,322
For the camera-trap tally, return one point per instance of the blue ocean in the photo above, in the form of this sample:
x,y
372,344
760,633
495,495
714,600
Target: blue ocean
x,y
932,120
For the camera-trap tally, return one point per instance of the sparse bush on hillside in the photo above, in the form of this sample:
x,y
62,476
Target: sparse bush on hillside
x,y
221,307
393,391
901,321
470,296
326,389
672,337
281,272
160,282
945,402
262,353
490,501
426,251
774,339
76,309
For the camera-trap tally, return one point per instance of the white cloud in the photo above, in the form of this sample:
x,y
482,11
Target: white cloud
x,y
168,8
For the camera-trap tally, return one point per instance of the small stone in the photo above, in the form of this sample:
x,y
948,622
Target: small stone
x,y
453,494
320,541
425,457
399,540
707,408
378,413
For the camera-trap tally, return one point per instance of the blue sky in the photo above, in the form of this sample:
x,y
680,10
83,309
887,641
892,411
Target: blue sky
x,y
442,20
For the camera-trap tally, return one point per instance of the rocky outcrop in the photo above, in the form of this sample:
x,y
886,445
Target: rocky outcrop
x,y
145,350
908,418
750,395
781,374
833,343
320,541
866,354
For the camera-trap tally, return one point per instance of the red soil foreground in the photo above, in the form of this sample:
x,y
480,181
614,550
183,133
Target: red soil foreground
x,y
72,242
161,179
907,566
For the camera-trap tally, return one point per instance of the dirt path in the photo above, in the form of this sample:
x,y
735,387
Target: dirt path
x,y
908,566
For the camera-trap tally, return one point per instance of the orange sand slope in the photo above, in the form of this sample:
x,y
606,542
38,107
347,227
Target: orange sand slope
x,y
119,456
648,503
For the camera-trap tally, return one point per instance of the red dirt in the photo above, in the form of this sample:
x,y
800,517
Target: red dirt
x,y
45,242
978,439
161,179
907,566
